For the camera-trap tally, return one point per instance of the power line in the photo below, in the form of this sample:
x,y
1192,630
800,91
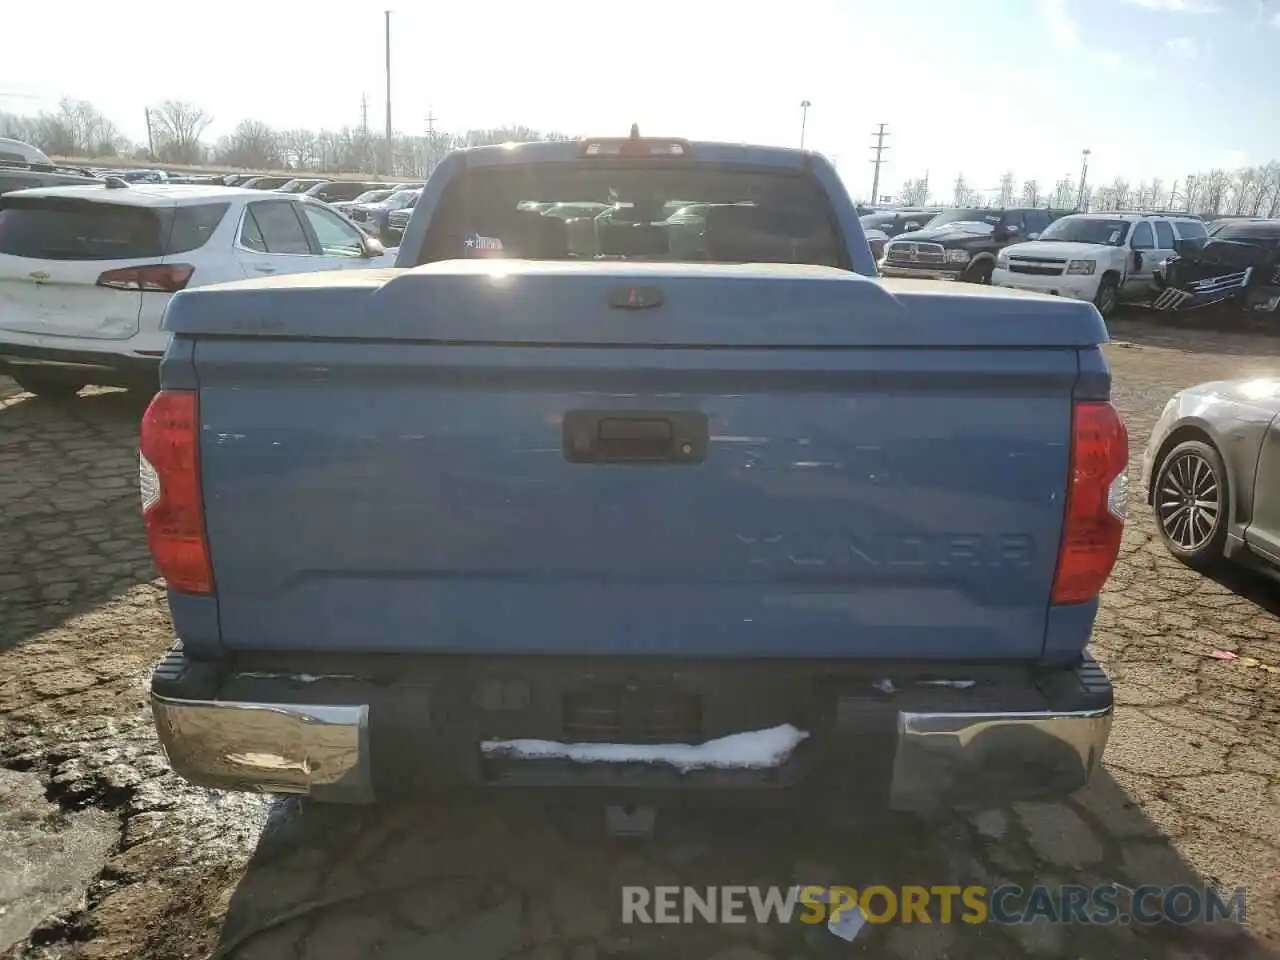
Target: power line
x,y
878,148
430,121
1084,176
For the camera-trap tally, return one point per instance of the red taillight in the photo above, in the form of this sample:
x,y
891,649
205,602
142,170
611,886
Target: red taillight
x,y
153,278
169,480
1097,497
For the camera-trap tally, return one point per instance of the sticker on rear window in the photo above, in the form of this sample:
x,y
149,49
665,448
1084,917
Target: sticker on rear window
x,y
481,244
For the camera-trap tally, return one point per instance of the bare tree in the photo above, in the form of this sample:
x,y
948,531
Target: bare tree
x,y
1064,193
915,192
1214,187
299,148
1031,193
1121,194
1269,195
252,145
179,126
1156,192
1246,186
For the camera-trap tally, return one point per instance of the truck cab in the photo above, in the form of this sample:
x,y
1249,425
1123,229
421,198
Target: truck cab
x,y
1104,258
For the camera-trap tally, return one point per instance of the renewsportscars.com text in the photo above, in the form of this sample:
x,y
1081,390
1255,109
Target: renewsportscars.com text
x,y
1006,904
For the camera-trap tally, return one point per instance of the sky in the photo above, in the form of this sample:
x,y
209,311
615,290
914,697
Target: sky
x,y
966,87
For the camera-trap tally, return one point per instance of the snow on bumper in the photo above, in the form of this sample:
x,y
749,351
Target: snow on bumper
x,y
756,750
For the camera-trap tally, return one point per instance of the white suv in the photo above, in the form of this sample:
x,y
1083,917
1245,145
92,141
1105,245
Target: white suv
x,y
1106,258
86,271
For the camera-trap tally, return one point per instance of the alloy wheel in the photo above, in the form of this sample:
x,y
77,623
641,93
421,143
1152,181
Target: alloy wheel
x,y
1189,502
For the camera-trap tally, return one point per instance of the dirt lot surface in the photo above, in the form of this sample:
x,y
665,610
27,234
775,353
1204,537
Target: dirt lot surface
x,y
104,853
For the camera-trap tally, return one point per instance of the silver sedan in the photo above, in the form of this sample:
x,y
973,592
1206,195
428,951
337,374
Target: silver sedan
x,y
1211,473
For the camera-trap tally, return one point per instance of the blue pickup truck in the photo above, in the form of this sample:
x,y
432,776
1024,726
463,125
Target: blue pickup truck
x,y
585,506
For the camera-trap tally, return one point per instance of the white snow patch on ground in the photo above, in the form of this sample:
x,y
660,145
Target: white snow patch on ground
x,y
754,750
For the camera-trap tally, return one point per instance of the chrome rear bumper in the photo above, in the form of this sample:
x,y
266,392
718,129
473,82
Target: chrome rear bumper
x,y
994,757
939,759
314,750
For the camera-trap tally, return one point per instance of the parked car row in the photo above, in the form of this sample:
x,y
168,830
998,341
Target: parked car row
x,y
1167,261
87,269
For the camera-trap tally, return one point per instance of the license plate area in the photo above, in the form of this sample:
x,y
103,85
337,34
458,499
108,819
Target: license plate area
x,y
632,712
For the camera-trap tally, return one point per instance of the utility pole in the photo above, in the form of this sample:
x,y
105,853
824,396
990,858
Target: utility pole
x,y
390,149
804,119
431,139
364,114
878,148
151,141
1173,194
1084,176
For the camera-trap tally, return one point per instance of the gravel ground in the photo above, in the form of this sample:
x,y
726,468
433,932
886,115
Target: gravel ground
x,y
105,854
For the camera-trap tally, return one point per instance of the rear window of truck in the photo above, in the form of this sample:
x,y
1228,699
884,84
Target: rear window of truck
x,y
56,228
665,212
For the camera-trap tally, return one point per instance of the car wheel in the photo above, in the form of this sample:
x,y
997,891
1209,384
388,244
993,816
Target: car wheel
x,y
49,386
980,273
1108,296
1190,499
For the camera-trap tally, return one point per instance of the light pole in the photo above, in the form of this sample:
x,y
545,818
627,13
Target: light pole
x,y
1084,175
390,148
804,118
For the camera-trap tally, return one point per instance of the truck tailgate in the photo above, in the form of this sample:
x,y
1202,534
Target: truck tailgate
x,y
769,462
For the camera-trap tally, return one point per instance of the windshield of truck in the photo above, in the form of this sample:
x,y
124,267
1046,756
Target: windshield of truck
x,y
686,213
401,199
989,217
372,196
1107,232
1266,236
878,221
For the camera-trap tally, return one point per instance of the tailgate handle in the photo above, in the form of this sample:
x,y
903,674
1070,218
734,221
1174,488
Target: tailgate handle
x,y
609,436
623,429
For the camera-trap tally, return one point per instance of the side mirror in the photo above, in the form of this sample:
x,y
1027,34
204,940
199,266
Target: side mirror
x,y
1033,236
910,225
372,247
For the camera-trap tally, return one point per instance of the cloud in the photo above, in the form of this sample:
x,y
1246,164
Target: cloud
x,y
1176,6
1183,48
1062,28
1064,32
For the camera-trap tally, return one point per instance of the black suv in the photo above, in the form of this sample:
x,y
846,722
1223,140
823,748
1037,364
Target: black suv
x,y
15,175
962,244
